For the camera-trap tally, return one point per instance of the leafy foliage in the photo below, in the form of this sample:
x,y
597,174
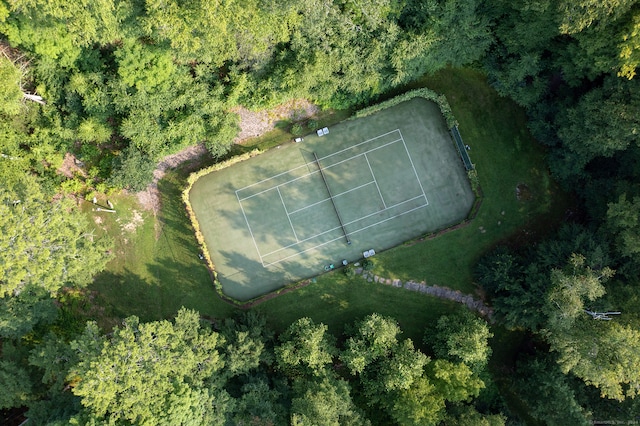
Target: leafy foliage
x,y
157,372
48,244
462,338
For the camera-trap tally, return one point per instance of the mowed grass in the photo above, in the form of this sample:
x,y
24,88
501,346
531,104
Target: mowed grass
x,y
154,274
505,156
336,301
156,269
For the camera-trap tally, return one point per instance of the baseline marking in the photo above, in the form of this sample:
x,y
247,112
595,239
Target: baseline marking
x,y
414,167
342,236
288,217
321,158
352,222
250,231
375,181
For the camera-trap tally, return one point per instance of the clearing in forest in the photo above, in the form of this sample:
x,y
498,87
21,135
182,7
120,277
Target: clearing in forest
x,y
368,183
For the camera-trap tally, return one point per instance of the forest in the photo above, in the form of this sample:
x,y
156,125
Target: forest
x,y
120,84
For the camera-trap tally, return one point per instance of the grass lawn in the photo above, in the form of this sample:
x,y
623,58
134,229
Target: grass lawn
x,y
157,272
269,221
336,301
156,269
506,157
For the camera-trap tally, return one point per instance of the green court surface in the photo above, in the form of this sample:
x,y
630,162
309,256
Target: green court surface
x,y
378,181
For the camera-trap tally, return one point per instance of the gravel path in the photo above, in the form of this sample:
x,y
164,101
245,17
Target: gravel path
x,y
433,290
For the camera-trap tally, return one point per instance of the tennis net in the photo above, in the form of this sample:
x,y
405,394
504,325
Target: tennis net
x,y
324,179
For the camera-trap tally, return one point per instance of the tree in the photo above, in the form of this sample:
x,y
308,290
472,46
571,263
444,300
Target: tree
x,y
153,373
324,401
10,92
546,391
305,348
571,289
397,371
259,404
418,405
132,170
462,338
623,222
248,343
21,313
48,244
468,416
373,337
424,401
601,353
603,122
16,385
453,382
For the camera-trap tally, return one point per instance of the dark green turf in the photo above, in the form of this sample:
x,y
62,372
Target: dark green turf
x,y
393,175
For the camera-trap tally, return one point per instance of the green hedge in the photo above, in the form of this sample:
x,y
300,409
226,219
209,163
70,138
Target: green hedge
x,y
428,94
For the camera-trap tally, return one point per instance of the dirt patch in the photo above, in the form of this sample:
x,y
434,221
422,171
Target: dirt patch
x,y
136,221
256,123
71,166
252,124
523,193
150,198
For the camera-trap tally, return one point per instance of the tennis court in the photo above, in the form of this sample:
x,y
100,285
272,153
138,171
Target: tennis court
x,y
369,183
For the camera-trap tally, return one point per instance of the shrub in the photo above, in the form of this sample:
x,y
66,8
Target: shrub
x,y
349,271
132,170
367,264
297,129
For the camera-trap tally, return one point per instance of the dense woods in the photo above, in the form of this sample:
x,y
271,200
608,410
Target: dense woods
x,y
120,84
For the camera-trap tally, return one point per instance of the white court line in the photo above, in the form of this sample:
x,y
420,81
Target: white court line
x,y
317,171
376,182
321,158
288,217
346,224
414,167
342,236
328,199
250,232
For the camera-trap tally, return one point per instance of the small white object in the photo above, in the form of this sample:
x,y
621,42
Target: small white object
x,y
325,131
298,140
95,200
319,132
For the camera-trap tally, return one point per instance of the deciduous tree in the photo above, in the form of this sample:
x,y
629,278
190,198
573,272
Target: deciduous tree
x,y
305,348
153,373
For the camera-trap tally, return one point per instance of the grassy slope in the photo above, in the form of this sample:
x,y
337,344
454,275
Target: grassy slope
x,y
505,155
156,270
152,277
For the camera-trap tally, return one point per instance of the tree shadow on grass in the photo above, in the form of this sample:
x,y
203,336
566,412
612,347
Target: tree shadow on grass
x,y
249,278
124,294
